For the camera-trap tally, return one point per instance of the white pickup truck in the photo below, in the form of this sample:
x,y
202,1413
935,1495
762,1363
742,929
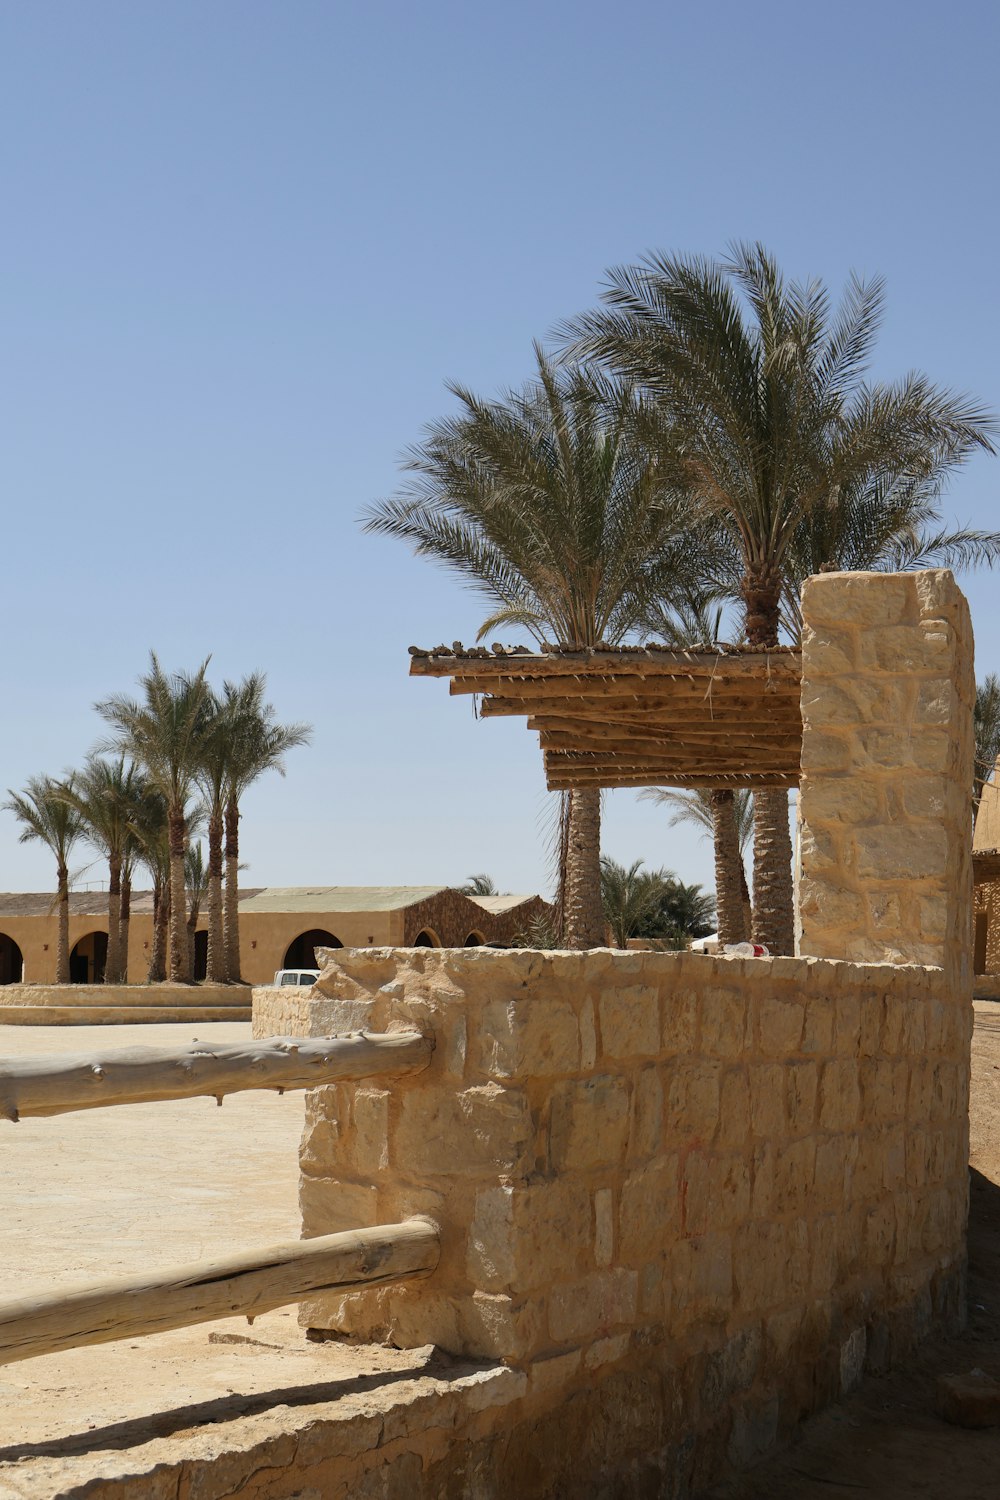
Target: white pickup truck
x,y
286,977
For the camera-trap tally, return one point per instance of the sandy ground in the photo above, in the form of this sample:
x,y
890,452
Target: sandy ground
x,y
119,1190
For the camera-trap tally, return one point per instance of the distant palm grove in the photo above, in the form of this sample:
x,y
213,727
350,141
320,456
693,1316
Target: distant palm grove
x,y
175,759
703,442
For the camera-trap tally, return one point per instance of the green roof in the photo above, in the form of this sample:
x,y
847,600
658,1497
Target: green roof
x,y
338,898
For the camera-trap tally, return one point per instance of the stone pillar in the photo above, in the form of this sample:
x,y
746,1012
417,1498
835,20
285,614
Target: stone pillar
x,y
885,802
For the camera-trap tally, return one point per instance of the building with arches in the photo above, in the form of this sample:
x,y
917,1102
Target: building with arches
x,y
280,927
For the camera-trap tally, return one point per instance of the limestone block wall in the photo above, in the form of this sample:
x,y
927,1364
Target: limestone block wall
x,y
727,1184
884,808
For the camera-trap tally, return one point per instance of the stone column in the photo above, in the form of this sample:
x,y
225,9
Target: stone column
x,y
885,803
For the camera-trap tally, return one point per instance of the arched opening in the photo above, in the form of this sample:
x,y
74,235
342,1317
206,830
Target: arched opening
x,y
200,968
301,954
11,961
88,958
474,940
426,939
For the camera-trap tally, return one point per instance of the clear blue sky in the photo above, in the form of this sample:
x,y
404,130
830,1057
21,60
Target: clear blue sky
x,y
244,244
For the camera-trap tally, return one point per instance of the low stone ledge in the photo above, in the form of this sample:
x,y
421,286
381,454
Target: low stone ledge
x,y
114,996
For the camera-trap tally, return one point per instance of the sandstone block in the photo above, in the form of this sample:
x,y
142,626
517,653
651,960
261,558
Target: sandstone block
x,y
495,1326
630,1021
920,851
817,1035
525,1237
839,1095
329,1206
725,1022
863,600
679,1021
534,1037
716,1192
832,651
971,1400
734,1109
703,1277
589,1125
834,1158
649,1218
849,801
767,1099
604,1226
781,1024
593,1307
368,1145
646,1126
441,1132
692,1089
824,750
801,1089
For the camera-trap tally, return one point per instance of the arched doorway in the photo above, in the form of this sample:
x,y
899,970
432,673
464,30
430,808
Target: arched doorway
x,y
11,961
474,940
301,953
200,967
88,958
426,939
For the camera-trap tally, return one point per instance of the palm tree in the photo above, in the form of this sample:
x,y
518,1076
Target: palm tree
x,y
163,730
629,896
151,848
46,814
546,502
196,882
728,817
212,774
765,416
103,796
986,719
479,885
256,744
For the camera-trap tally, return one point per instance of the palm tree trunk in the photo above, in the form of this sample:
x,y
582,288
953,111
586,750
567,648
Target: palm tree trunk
x,y
232,911
217,966
158,952
62,938
192,927
123,922
773,913
584,918
773,896
180,968
745,899
728,869
113,966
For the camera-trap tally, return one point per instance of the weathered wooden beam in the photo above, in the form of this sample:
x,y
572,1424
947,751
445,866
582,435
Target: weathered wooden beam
x,y
135,1075
613,738
671,763
650,661
567,781
648,682
249,1284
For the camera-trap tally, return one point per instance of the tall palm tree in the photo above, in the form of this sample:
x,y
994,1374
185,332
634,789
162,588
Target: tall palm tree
x,y
46,814
103,796
196,882
255,744
546,502
986,721
163,730
765,416
151,848
212,775
728,817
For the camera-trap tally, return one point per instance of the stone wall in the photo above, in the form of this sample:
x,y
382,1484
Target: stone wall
x,y
690,1198
885,802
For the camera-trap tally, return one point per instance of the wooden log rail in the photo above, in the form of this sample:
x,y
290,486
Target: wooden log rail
x,y
138,1075
247,1285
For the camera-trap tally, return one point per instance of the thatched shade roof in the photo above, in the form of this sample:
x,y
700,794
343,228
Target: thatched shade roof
x,y
643,715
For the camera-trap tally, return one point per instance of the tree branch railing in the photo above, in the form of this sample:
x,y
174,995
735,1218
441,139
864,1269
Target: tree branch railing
x,y
255,1282
247,1284
140,1075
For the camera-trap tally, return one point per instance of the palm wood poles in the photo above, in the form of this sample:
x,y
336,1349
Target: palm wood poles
x,y
164,731
765,415
255,744
546,502
212,776
196,882
46,814
103,794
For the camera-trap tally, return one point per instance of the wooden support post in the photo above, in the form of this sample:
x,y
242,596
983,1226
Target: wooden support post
x,y
137,1075
248,1284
